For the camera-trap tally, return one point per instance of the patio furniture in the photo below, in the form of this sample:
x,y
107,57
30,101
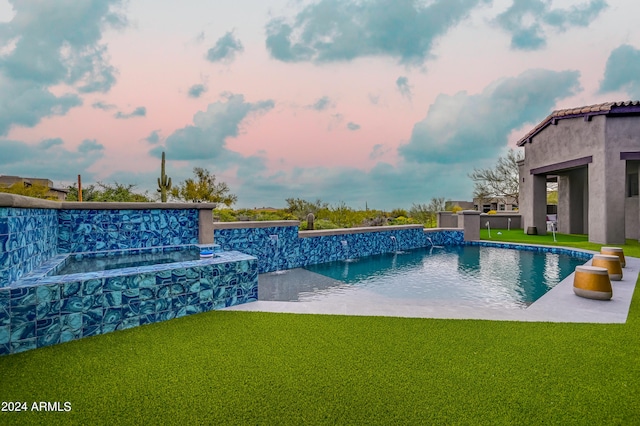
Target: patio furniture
x,y
610,263
592,282
552,222
617,251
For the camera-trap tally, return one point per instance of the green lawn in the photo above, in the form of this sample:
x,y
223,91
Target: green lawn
x,y
262,368
631,248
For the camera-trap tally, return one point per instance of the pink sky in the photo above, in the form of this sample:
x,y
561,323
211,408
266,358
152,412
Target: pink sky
x,y
457,83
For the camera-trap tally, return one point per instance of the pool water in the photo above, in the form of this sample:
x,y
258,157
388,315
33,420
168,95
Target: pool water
x,y
92,264
484,276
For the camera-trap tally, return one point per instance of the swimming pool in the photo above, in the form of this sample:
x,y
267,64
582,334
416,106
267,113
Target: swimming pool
x,y
468,274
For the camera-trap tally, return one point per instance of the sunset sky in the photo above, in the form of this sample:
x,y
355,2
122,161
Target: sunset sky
x,y
384,102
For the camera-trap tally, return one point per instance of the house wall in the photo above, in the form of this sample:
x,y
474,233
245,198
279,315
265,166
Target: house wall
x,y
568,140
603,138
501,221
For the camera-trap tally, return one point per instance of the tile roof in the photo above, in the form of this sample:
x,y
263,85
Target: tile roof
x,y
584,111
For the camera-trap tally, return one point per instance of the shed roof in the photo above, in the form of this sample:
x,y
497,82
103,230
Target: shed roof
x,y
588,111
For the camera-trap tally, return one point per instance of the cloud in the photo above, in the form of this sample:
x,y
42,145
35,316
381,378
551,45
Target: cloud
x,y
103,106
90,145
48,143
49,159
378,151
402,83
374,99
622,72
205,139
225,49
353,126
321,104
52,43
465,127
153,138
385,186
529,20
138,112
24,103
343,30
197,90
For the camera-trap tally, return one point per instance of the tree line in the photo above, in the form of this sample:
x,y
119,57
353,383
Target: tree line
x,y
499,182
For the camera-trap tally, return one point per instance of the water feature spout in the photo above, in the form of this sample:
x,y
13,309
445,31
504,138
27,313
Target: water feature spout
x,y
432,245
273,238
345,251
394,243
509,224
489,229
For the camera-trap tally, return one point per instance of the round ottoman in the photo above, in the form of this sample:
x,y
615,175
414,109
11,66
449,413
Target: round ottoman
x,y
592,282
609,262
614,251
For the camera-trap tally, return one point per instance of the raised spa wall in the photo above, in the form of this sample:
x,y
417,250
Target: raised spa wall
x,y
38,310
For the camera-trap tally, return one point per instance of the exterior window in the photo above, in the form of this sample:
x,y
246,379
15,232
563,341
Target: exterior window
x,y
501,207
632,185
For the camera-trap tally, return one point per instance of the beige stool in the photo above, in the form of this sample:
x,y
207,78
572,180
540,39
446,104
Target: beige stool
x,y
592,282
614,251
609,262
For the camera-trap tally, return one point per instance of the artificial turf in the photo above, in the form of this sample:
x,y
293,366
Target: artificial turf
x,y
225,367
631,248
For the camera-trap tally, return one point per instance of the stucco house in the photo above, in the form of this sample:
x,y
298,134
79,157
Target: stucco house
x,y
593,153
499,204
58,193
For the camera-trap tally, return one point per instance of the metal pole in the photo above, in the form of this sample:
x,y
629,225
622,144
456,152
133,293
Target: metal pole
x,y
79,188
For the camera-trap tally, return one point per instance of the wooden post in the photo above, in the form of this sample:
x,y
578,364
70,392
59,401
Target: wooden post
x,y
79,188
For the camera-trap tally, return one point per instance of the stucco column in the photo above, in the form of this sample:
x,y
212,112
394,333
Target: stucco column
x,y
444,219
564,204
205,226
571,202
533,201
636,200
606,199
469,220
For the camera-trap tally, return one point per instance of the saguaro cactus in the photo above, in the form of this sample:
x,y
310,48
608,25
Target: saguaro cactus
x,y
164,182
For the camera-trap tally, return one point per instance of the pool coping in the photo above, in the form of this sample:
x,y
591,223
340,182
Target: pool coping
x,y
560,304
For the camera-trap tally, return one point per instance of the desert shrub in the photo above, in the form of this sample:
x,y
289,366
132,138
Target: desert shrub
x,y
492,212
401,220
224,215
325,224
379,220
456,209
397,213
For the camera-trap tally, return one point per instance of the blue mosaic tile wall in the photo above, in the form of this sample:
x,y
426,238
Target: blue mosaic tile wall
x,y
63,308
279,248
28,237
97,230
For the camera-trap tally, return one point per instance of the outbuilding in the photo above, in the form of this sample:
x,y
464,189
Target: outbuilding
x,y
593,153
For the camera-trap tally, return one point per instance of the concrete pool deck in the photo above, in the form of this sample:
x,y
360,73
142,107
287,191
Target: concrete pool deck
x,y
560,304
